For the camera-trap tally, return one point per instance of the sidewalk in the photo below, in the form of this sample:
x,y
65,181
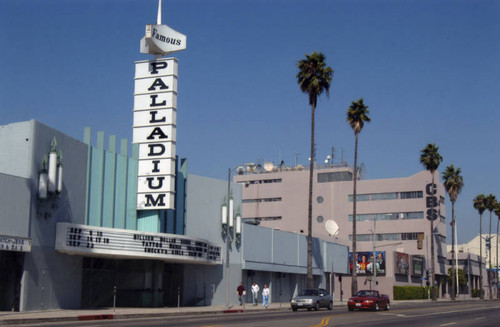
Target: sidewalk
x,y
59,315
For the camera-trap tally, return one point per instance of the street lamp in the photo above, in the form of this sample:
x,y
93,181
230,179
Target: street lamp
x,y
227,220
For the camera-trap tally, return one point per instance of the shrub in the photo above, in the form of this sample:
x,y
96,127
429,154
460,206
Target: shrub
x,y
409,292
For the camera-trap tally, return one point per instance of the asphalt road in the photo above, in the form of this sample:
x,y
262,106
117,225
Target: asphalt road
x,y
476,314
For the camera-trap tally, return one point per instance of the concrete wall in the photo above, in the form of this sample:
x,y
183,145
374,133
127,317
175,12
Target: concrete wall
x,y
50,280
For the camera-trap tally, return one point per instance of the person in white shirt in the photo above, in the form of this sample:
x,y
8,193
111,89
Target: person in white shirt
x,y
255,293
265,296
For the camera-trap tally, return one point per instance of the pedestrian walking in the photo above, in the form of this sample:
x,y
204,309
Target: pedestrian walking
x,y
265,296
255,293
240,291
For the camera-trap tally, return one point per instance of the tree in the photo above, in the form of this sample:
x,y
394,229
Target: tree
x,y
497,213
357,115
430,159
490,203
453,183
462,277
314,78
480,205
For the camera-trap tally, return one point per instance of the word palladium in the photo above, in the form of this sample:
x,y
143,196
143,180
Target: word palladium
x,y
155,121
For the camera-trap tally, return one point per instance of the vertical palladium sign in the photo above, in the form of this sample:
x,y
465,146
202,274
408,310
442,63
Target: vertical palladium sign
x,y
155,115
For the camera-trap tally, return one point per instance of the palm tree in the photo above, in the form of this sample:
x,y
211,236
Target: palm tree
x,y
453,183
490,205
430,159
497,213
480,206
314,78
357,115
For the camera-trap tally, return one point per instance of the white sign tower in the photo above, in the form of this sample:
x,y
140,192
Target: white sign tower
x,y
155,112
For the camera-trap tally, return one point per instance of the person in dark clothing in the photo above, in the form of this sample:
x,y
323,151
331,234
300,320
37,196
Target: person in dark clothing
x,y
240,291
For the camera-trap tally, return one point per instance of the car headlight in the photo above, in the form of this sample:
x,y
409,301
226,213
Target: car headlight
x,y
368,301
293,301
309,301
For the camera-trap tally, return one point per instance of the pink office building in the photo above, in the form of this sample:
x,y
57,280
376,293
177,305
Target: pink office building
x,y
393,220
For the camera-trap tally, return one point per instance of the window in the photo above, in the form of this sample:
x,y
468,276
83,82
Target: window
x,y
340,176
374,196
319,199
320,219
411,195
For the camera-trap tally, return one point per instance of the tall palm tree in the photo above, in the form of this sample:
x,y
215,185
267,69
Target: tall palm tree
x,y
497,213
490,205
357,115
453,183
430,159
480,205
314,78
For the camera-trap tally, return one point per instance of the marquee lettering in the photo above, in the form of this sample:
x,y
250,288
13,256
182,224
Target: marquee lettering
x,y
154,119
158,65
158,202
157,132
154,103
158,82
156,150
155,166
155,187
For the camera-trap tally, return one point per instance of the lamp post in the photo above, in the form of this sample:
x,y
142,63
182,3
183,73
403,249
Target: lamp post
x,y
227,220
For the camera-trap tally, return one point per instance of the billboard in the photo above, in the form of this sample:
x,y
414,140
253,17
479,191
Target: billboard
x,y
401,263
364,263
417,265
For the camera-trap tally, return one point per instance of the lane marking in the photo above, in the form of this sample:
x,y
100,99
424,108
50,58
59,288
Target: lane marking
x,y
324,322
446,312
480,318
448,324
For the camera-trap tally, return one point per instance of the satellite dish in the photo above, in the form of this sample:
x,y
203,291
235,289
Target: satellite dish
x,y
258,169
241,170
331,227
268,166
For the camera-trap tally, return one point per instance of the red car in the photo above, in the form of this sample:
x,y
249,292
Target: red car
x,y
370,300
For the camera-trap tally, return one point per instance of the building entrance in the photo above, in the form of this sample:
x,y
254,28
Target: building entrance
x,y
11,272
138,283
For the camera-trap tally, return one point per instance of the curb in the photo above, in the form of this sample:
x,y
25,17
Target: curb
x,y
96,317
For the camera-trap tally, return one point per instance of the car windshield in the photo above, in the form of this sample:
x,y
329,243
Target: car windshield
x,y
366,293
308,293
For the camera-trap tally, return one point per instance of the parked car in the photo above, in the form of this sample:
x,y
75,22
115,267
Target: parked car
x,y
312,299
371,300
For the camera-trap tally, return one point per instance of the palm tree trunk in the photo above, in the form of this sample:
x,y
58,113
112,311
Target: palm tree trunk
x,y
433,265
354,283
489,271
309,208
481,293
453,252
496,274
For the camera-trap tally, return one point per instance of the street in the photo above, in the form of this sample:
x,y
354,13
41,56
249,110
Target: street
x,y
477,314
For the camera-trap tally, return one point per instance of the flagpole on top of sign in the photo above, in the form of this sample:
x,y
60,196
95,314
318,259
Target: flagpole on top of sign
x,y
158,19
158,22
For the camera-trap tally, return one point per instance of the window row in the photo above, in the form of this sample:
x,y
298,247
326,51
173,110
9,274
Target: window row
x,y
389,216
261,200
387,237
261,181
263,218
387,196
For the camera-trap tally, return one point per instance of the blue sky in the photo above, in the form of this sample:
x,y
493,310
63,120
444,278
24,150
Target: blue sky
x,y
428,70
